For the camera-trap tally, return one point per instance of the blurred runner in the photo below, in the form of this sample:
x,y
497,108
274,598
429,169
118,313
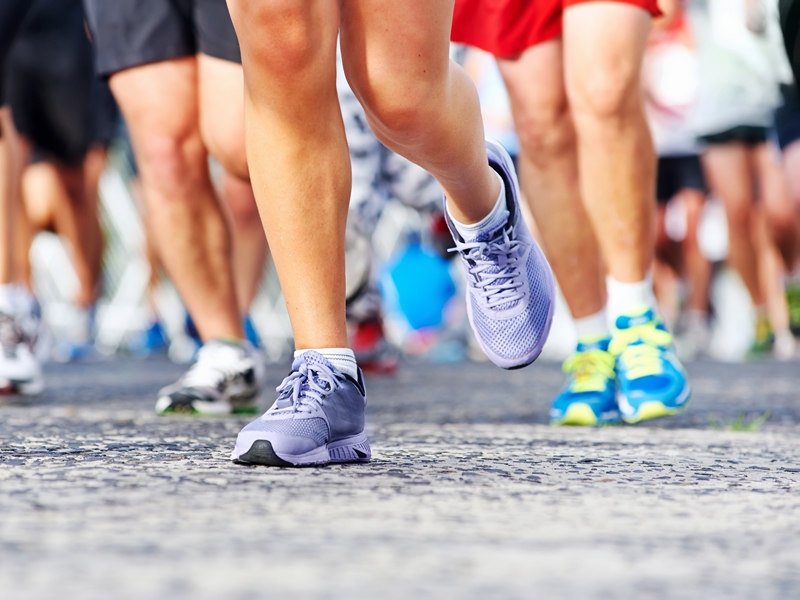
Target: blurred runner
x,y
423,107
173,67
66,118
20,371
670,83
572,68
741,65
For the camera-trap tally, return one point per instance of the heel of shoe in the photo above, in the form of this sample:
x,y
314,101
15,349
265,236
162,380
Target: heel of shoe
x,y
352,449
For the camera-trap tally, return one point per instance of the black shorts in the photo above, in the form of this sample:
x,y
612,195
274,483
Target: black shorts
x,y
57,101
787,117
752,135
676,173
130,33
12,16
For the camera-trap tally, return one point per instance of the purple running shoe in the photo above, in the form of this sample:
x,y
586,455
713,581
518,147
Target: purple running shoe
x,y
510,287
317,419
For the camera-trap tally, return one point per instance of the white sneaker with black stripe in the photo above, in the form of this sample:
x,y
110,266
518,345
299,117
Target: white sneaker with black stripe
x,y
226,379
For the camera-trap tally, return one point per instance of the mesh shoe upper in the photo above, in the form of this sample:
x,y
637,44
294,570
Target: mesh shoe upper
x,y
510,287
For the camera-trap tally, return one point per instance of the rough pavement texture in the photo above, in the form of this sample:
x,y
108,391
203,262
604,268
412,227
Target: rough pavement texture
x,y
470,495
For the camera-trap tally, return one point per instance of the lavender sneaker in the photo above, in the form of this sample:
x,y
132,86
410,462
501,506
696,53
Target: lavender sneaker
x,y
317,419
510,287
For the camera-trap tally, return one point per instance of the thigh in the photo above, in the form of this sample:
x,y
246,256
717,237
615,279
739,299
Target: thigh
x,y
773,186
390,47
535,83
221,99
727,169
604,44
159,104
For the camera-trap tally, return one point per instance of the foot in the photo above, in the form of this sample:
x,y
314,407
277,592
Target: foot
x,y
651,381
588,398
510,287
373,352
226,379
20,372
317,419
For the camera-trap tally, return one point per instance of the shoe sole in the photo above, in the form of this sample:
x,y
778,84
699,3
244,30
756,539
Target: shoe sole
x,y
655,409
203,409
530,358
581,414
354,449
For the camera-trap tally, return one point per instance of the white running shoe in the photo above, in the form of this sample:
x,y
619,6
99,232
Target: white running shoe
x,y
226,379
20,372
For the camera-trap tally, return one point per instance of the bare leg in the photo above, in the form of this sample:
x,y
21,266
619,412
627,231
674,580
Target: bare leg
x,y
160,104
9,189
728,169
548,169
249,243
696,265
603,49
775,197
298,155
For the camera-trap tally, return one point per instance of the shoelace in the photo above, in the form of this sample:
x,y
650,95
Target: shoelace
x,y
590,370
307,386
214,366
641,349
503,252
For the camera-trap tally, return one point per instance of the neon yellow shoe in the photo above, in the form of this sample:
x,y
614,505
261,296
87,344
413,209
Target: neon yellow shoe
x,y
651,382
588,397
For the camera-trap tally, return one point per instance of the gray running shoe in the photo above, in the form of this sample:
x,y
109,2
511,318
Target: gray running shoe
x,y
317,419
510,287
226,379
20,372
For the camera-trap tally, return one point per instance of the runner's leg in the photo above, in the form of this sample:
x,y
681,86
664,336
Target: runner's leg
x,y
604,45
548,168
184,215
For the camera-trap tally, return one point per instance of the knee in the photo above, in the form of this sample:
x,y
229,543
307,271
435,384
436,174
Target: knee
x,y
171,163
400,114
545,131
280,36
228,148
605,95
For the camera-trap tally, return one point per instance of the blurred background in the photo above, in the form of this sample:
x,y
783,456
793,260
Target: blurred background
x,y
712,66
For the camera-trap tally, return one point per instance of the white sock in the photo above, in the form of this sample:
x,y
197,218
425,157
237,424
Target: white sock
x,y
342,359
8,299
629,298
592,328
496,218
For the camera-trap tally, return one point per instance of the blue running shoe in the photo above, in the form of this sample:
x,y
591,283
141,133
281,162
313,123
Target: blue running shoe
x,y
651,381
317,419
588,398
510,287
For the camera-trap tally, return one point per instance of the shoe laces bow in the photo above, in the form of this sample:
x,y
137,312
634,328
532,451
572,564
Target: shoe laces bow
x,y
306,386
494,266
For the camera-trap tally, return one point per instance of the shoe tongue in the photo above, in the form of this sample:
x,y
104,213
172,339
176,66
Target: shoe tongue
x,y
600,343
642,317
311,358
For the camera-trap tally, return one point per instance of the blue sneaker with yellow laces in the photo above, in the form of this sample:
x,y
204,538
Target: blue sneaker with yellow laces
x,y
588,398
651,382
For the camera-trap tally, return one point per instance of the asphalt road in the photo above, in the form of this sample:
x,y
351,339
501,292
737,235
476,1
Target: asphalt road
x,y
470,495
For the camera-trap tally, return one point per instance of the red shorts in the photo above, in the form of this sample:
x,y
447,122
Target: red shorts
x,y
508,27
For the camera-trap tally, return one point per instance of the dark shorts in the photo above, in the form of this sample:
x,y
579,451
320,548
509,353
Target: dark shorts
x,y
751,135
676,173
12,16
787,117
57,101
130,33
